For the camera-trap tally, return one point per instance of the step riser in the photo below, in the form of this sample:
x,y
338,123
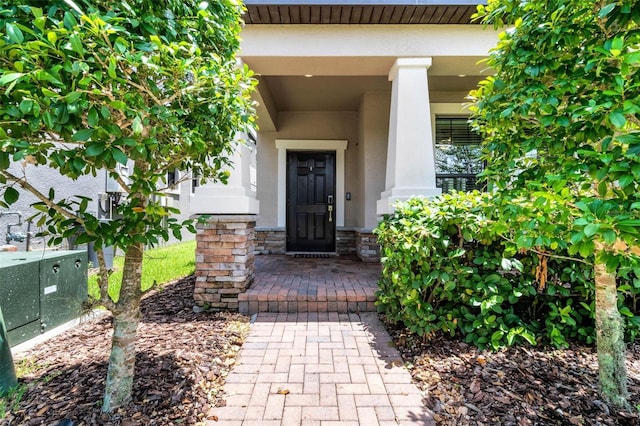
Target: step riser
x,y
251,307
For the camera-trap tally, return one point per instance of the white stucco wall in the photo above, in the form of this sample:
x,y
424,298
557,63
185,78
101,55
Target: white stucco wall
x,y
374,119
363,49
44,178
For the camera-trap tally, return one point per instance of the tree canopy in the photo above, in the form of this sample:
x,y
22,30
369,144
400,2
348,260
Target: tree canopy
x,y
85,86
561,126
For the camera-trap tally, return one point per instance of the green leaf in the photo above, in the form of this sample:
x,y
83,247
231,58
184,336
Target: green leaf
x,y
4,160
118,105
49,93
82,135
111,69
606,10
36,11
94,149
76,44
52,37
617,44
609,236
591,229
14,33
119,156
583,206
104,112
496,336
629,138
603,188
136,126
69,21
625,311
26,106
586,249
72,97
11,195
8,78
92,117
626,180
617,119
47,117
632,58
634,150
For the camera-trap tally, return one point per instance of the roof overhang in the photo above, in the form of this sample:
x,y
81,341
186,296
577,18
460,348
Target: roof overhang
x,y
360,11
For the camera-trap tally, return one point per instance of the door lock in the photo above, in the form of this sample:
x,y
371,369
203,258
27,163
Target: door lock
x,y
330,199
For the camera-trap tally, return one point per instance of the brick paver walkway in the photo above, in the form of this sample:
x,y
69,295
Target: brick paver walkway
x,y
320,369
288,284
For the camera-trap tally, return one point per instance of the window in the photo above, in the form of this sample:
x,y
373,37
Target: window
x,y
173,182
173,177
457,152
195,182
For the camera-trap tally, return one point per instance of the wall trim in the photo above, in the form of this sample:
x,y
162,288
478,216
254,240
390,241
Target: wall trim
x,y
284,145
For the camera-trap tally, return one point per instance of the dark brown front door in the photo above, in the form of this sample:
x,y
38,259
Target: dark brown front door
x,y
311,215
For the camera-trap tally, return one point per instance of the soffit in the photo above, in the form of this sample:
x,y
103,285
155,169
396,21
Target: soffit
x,y
269,12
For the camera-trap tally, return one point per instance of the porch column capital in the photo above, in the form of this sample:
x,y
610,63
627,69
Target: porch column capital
x,y
410,153
400,63
238,196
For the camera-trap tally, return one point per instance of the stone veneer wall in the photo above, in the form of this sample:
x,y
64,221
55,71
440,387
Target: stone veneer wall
x,y
345,241
367,246
270,241
225,264
348,241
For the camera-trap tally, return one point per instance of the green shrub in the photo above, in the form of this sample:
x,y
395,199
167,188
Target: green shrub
x,y
446,270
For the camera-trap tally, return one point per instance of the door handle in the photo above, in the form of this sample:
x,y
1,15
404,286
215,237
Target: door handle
x,y
330,208
330,199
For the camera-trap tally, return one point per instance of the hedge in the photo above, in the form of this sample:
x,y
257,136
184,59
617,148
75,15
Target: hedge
x,y
445,272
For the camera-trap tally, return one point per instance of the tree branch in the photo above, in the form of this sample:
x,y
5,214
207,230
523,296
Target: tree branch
x,y
555,256
39,195
103,283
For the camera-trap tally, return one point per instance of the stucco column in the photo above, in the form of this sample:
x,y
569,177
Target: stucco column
x,y
225,243
238,196
410,155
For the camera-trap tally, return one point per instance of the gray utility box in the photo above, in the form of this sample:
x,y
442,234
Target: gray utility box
x,y
40,291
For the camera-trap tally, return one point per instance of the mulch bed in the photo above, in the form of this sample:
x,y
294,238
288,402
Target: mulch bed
x,y
182,361
184,357
519,386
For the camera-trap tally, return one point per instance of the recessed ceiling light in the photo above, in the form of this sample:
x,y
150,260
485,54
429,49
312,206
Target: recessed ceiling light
x,y
462,75
308,75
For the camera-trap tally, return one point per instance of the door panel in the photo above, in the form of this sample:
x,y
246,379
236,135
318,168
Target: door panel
x,y
310,187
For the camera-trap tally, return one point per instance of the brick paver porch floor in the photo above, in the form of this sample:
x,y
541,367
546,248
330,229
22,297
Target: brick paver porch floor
x,y
290,284
320,369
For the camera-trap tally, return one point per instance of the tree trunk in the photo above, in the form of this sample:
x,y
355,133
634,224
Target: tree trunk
x,y
125,324
610,339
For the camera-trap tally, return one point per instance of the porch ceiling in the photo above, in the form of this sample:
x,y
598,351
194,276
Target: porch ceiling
x,y
338,84
343,93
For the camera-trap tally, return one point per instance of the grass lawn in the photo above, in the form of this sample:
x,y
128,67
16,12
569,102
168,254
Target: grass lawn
x,y
160,265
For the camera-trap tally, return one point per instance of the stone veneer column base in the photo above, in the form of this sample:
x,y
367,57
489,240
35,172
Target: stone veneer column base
x,y
225,264
367,246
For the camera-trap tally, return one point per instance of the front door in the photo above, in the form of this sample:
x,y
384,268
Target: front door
x,y
311,215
